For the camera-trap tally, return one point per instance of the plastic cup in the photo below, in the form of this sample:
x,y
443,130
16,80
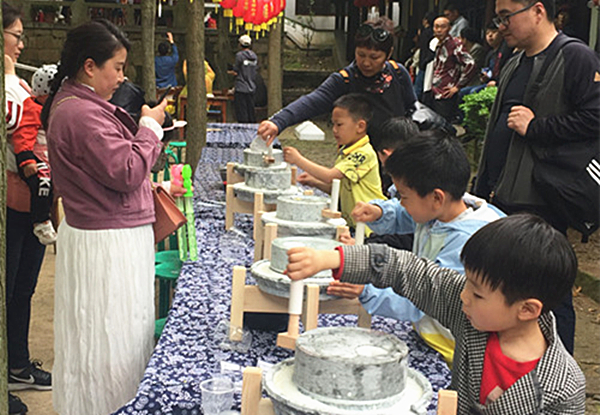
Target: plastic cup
x,y
217,395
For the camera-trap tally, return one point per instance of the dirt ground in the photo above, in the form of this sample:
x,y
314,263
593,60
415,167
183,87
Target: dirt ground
x,y
587,339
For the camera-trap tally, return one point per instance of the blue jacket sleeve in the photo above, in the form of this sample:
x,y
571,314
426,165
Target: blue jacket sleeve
x,y
175,54
394,220
317,102
385,302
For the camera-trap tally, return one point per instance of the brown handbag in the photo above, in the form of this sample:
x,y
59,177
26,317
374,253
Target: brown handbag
x,y
168,216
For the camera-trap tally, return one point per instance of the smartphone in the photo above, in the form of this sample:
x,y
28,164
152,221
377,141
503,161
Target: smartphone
x,y
164,95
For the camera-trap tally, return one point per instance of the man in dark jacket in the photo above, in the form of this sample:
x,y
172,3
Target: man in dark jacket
x,y
245,67
562,109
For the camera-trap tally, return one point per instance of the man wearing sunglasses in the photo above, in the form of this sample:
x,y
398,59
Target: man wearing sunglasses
x,y
548,102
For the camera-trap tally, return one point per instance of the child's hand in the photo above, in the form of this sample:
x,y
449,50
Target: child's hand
x,y
291,155
347,239
345,290
304,262
30,169
366,212
306,179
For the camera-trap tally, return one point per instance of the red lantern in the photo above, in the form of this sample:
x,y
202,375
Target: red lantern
x,y
250,14
228,6
238,11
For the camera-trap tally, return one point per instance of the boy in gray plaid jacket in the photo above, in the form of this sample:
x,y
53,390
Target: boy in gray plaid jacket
x,y
508,357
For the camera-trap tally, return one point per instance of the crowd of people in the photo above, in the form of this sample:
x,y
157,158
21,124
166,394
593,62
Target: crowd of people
x,y
485,277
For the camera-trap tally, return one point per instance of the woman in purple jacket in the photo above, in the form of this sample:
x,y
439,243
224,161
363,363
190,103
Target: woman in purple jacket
x,y
104,288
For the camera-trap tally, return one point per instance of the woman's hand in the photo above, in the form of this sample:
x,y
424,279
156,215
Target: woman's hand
x,y
157,113
345,290
268,131
366,212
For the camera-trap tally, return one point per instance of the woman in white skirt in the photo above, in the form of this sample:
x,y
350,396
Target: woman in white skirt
x,y
104,294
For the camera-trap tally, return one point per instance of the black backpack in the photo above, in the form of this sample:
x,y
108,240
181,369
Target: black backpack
x,y
568,175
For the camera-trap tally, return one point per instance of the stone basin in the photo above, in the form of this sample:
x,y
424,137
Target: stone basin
x,y
347,371
301,208
278,284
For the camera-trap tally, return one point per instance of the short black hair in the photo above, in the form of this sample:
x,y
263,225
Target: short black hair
x,y
394,131
471,34
164,48
491,26
524,257
356,105
431,160
549,5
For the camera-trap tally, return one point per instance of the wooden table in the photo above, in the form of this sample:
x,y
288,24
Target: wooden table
x,y
219,101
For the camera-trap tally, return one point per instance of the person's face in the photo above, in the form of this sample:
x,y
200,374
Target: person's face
x,y
493,38
521,30
13,45
107,78
487,309
441,28
346,130
421,209
451,15
369,61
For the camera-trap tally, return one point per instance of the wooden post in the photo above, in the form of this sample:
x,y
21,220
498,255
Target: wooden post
x,y
447,402
236,321
270,235
229,201
259,206
288,339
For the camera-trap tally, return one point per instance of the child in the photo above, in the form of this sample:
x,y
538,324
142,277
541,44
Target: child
x,y
431,173
29,143
509,358
356,164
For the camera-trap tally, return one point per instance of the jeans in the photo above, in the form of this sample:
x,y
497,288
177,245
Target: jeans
x,y
24,256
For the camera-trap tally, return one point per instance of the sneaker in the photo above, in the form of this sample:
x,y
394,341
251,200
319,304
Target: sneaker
x,y
45,232
32,377
16,405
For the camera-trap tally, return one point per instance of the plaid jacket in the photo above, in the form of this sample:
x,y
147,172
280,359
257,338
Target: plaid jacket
x,y
555,386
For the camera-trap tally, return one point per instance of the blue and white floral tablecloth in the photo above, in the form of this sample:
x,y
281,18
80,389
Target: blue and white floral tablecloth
x,y
187,352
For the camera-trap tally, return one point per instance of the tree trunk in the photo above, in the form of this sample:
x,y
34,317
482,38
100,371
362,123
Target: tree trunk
x,y
3,340
196,108
275,69
148,75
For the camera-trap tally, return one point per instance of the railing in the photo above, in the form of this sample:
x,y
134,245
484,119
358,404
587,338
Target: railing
x,y
44,13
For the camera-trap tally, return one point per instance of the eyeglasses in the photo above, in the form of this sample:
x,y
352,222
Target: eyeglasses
x,y
19,36
505,20
379,35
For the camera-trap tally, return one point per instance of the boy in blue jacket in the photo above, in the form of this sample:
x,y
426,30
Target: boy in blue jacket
x,y
431,173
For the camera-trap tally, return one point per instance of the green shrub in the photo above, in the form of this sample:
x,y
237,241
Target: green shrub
x,y
476,108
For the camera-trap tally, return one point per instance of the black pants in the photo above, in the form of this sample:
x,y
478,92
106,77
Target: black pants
x,y
564,312
40,188
244,107
24,255
447,108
